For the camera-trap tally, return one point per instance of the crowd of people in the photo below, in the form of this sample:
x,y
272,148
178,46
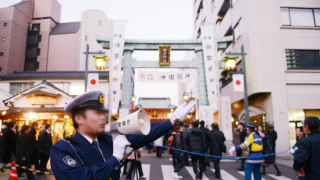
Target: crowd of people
x,y
23,146
197,139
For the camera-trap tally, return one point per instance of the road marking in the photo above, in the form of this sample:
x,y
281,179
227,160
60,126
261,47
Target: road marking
x,y
190,170
167,171
241,172
146,170
170,159
278,177
225,175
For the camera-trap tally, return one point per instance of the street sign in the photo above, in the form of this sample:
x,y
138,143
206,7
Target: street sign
x,y
164,55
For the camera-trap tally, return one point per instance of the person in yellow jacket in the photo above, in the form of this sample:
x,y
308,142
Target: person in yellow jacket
x,y
254,145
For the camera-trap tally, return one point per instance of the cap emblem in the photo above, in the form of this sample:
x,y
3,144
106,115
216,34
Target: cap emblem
x,y
101,99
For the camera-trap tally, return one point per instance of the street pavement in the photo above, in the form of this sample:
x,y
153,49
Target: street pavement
x,y
161,169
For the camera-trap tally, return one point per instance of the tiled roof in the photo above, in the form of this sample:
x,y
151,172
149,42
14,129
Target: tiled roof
x,y
52,75
43,82
155,103
66,28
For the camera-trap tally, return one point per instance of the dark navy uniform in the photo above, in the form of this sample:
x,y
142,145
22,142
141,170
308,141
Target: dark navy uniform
x,y
74,158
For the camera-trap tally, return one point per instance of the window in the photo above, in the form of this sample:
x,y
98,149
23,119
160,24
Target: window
x,y
300,17
317,16
237,31
302,59
86,38
5,24
1,53
3,38
0,68
209,58
100,23
36,27
38,52
32,52
16,88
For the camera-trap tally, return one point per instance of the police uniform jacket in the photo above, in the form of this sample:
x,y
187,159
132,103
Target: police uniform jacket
x,y
308,155
254,145
78,160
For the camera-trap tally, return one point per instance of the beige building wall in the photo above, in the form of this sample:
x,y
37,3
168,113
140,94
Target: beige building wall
x,y
15,33
47,8
63,52
274,88
93,23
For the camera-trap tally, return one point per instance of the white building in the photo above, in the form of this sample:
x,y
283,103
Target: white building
x,y
93,23
282,42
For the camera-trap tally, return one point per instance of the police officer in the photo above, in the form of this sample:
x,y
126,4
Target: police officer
x,y
308,150
254,145
91,153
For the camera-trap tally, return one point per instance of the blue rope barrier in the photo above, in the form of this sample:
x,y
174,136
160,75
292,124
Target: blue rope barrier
x,y
220,157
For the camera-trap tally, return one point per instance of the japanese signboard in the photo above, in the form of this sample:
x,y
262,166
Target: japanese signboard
x,y
164,55
166,77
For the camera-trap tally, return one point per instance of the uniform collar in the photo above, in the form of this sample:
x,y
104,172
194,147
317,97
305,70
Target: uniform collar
x,y
88,139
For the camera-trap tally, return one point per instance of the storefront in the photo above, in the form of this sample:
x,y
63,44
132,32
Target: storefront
x,y
158,109
42,103
296,116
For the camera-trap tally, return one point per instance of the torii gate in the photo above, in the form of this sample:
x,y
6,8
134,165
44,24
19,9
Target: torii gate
x,y
206,68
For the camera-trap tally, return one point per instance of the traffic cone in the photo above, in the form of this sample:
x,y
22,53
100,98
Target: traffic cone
x,y
14,174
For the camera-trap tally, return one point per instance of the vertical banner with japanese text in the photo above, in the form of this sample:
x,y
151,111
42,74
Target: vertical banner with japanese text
x,y
211,64
116,46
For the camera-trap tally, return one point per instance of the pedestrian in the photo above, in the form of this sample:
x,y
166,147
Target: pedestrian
x,y
23,152
135,162
178,143
196,141
308,151
159,143
273,135
236,140
44,147
260,130
243,135
268,160
93,154
8,145
205,131
34,160
253,145
300,135
185,132
216,139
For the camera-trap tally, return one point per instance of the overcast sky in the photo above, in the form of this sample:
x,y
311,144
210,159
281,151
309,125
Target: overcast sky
x,y
146,19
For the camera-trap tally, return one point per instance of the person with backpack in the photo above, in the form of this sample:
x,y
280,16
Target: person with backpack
x,y
216,139
178,143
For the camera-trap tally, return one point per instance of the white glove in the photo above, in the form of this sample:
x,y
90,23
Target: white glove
x,y
119,144
183,110
292,150
232,151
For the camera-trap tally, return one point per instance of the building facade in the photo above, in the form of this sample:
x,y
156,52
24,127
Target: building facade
x,y
282,42
33,39
41,96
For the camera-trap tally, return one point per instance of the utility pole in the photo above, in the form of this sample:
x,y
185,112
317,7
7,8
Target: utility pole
x,y
246,102
86,66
